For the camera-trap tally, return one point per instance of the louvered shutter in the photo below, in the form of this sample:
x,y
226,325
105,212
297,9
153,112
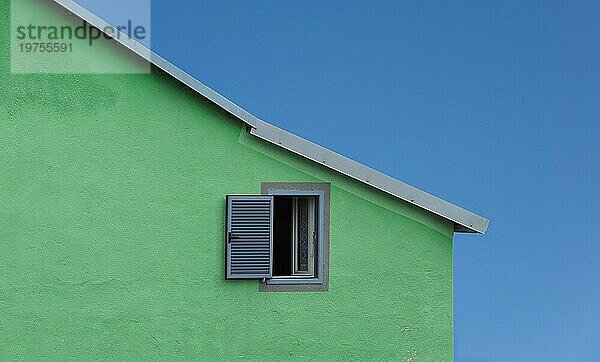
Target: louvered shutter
x,y
249,237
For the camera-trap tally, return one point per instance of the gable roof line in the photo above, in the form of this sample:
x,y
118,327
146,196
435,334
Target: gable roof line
x,y
464,220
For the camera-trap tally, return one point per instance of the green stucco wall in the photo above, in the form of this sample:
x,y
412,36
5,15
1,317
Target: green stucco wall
x,y
111,236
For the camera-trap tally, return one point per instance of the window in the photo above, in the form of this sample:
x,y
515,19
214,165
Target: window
x,y
280,237
295,236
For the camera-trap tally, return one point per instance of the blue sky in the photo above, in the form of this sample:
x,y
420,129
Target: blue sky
x,y
493,106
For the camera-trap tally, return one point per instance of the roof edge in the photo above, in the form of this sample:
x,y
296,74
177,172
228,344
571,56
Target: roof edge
x,y
464,220
160,62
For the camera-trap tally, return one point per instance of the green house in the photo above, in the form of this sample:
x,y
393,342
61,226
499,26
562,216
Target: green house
x,y
145,216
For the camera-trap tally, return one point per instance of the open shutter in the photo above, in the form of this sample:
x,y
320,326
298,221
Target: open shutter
x,y
249,237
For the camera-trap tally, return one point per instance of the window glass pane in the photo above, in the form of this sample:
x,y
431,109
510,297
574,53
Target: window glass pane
x,y
303,234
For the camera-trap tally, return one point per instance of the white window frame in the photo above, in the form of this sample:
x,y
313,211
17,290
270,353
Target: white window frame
x,y
317,276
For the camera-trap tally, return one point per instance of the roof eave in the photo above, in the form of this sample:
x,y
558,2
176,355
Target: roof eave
x,y
464,220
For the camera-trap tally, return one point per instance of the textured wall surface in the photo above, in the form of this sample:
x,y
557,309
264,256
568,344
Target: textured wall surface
x,y
111,235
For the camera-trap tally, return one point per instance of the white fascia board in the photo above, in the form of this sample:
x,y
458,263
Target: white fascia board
x,y
160,62
464,221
